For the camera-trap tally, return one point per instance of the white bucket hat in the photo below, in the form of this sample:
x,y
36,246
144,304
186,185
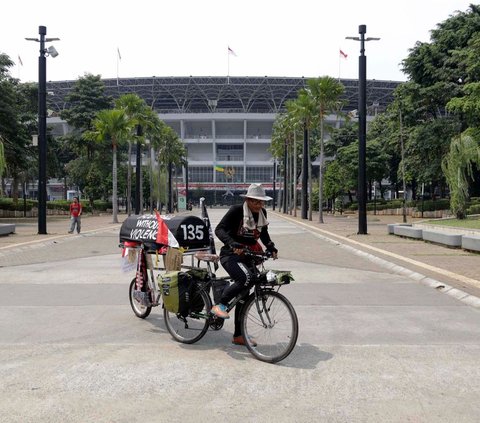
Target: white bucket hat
x,y
257,192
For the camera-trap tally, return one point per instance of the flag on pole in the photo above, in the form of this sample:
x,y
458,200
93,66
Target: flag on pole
x,y
164,235
230,51
206,219
20,60
342,54
119,55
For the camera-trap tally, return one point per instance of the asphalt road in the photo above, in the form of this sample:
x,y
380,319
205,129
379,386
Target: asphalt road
x,y
373,346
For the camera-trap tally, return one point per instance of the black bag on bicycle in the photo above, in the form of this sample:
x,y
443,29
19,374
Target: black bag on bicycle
x,y
175,289
198,275
196,301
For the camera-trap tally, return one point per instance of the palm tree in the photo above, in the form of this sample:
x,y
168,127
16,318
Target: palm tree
x,y
303,110
325,93
291,126
458,166
135,109
114,126
281,140
172,152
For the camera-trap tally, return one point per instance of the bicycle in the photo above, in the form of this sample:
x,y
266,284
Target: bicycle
x,y
269,322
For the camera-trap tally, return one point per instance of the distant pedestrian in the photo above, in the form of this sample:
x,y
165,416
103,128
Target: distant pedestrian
x,y
75,213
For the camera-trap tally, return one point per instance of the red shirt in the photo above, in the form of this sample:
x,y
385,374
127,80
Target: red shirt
x,y
75,209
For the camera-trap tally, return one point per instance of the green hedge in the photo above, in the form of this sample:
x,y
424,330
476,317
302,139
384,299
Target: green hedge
x,y
432,205
428,205
99,205
474,209
7,204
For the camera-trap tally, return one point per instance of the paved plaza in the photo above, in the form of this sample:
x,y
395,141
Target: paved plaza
x,y
380,339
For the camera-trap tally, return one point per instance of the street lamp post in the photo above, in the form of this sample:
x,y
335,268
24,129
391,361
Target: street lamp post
x,y
285,182
362,129
185,163
169,194
42,125
274,182
138,171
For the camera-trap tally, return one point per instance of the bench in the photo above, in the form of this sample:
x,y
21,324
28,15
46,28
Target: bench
x,y
390,226
7,228
471,242
444,238
407,231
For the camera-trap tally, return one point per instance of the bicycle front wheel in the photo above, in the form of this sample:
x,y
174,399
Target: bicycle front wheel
x,y
192,327
139,308
269,326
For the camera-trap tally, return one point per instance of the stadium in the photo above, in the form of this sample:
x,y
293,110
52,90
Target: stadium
x,y
225,122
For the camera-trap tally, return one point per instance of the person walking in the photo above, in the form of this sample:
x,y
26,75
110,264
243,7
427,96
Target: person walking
x,y
75,213
242,227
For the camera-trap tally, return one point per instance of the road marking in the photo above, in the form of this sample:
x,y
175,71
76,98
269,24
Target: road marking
x,y
47,239
444,272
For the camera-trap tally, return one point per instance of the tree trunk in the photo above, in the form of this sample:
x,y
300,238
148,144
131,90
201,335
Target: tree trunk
x,y
15,188
129,180
295,172
310,205
320,176
114,185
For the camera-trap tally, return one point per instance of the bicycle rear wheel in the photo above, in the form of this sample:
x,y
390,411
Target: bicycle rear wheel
x,y
194,326
138,308
271,329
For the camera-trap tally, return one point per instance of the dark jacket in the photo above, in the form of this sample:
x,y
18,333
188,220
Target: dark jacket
x,y
230,230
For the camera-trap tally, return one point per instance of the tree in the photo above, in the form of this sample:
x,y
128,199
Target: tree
x,y
467,104
168,146
303,110
135,109
325,93
444,80
112,126
85,100
17,123
336,180
3,163
458,166
428,63
284,138
341,138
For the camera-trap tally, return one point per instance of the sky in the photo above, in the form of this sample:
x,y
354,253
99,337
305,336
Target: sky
x,y
281,38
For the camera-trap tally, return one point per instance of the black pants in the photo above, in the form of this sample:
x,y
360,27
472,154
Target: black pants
x,y
243,275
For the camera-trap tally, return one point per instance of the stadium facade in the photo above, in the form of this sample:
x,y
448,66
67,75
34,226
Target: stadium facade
x,y
225,122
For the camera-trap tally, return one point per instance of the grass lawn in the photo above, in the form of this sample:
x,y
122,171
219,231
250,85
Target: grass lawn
x,y
470,223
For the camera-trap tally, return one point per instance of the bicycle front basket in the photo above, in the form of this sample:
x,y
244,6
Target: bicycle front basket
x,y
277,277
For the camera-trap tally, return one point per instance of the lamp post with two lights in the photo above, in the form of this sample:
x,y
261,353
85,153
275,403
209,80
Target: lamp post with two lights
x,y
42,125
362,129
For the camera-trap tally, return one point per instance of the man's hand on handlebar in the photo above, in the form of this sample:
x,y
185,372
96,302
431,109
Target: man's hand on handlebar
x,y
272,250
240,249
237,248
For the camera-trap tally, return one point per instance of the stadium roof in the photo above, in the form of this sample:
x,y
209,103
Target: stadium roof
x,y
222,94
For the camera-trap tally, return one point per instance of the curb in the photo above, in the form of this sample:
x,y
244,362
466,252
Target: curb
x,y
456,293
46,241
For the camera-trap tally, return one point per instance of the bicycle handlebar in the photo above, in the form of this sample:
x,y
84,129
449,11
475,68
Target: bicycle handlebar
x,y
263,254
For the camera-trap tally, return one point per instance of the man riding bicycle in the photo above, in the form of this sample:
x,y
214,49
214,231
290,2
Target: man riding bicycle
x,y
242,227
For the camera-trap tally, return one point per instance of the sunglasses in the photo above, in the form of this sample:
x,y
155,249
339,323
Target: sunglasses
x,y
255,201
